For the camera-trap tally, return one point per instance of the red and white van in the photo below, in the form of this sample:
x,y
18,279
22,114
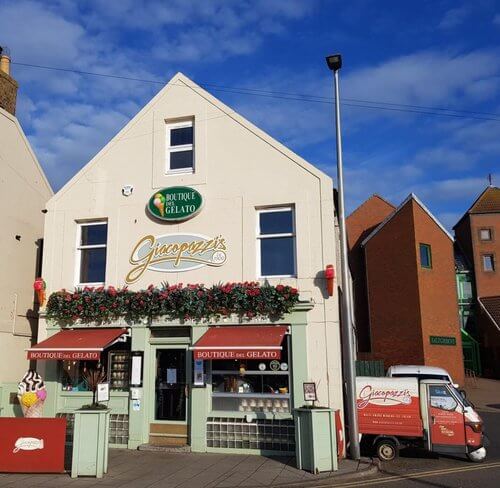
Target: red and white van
x,y
394,413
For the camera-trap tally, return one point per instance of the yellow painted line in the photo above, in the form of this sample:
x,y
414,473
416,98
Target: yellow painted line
x,y
421,474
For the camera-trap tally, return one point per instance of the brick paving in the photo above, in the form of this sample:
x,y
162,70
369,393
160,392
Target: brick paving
x,y
142,469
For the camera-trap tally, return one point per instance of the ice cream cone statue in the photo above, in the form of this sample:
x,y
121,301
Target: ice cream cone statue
x,y
31,393
159,203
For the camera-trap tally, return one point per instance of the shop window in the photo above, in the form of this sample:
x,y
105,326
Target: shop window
x,y
73,374
91,253
252,385
425,256
485,234
488,262
180,147
276,242
115,362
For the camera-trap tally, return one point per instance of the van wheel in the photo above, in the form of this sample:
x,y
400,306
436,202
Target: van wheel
x,y
386,450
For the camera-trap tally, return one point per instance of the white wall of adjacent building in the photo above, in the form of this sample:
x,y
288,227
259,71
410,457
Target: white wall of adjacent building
x,y
24,192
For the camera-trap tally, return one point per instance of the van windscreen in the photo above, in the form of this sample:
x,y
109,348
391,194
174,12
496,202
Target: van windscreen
x,y
421,376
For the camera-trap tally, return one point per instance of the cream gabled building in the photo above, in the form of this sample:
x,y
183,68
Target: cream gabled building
x,y
24,191
275,214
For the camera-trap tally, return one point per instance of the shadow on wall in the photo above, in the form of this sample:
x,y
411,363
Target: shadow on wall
x,y
9,404
320,282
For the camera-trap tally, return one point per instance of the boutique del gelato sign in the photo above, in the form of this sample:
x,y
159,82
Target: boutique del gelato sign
x,y
173,253
175,203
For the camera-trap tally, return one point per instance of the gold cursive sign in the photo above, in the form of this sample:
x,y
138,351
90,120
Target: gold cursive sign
x,y
174,253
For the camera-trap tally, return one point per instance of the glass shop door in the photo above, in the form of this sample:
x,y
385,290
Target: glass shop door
x,y
171,388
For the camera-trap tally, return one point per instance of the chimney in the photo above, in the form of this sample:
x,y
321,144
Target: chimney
x,y
8,86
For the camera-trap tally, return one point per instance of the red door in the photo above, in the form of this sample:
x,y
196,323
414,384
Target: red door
x,y
446,420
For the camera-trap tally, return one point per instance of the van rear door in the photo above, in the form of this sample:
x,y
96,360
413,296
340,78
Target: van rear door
x,y
446,420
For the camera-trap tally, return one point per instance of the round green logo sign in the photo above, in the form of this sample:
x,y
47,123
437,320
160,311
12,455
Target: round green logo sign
x,y
175,203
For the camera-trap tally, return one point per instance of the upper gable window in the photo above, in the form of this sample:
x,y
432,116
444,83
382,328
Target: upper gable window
x,y
180,147
485,234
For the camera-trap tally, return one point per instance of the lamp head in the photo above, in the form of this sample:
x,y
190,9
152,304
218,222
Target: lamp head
x,y
334,62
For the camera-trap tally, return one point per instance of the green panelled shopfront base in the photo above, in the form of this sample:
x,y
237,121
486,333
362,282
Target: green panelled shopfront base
x,y
90,443
443,341
315,439
175,203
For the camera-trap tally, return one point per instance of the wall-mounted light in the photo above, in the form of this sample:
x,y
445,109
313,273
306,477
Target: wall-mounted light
x,y
18,237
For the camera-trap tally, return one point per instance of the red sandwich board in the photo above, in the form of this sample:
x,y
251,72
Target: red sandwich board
x,y
32,445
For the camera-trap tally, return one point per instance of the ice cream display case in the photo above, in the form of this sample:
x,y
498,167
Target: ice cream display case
x,y
119,370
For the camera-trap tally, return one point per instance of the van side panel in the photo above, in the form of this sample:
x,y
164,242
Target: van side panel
x,y
389,406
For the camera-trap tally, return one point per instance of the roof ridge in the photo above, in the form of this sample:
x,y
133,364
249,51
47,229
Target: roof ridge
x,y
410,197
373,195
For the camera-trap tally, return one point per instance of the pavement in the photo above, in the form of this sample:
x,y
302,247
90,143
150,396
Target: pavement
x,y
484,394
143,469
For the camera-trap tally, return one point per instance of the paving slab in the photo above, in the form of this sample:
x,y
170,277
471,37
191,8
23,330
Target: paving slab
x,y
145,469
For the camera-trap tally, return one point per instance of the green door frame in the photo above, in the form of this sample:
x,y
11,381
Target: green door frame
x,y
152,408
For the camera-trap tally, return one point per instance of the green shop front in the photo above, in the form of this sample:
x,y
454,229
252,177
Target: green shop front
x,y
227,384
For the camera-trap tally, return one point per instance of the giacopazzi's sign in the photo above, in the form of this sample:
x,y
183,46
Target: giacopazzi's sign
x,y
175,203
172,253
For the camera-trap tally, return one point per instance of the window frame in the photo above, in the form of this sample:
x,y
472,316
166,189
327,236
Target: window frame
x,y
493,264
79,248
260,236
429,253
489,230
184,147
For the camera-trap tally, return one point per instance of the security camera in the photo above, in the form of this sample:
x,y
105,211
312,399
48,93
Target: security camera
x,y
127,190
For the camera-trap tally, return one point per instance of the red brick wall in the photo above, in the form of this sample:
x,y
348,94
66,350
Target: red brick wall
x,y
487,282
393,296
359,224
438,296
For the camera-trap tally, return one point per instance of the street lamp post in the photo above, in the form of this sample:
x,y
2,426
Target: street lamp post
x,y
334,62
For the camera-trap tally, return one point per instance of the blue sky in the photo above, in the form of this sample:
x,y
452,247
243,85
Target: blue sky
x,y
438,54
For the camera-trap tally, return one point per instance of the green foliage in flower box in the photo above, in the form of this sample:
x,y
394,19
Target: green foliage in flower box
x,y
249,299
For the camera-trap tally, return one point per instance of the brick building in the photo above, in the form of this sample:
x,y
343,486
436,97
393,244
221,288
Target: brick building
x,y
405,296
8,85
477,236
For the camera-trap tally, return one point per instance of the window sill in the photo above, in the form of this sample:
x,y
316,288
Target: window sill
x,y
273,277
256,415
175,172
89,284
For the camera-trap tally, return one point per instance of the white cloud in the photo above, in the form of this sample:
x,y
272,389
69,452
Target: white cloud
x,y
454,17
424,78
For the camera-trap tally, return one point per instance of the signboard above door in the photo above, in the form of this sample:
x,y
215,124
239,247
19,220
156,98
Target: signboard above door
x,y
175,203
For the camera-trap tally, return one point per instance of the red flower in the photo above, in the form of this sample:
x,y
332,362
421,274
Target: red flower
x,y
294,291
102,308
100,289
80,308
200,294
112,291
280,288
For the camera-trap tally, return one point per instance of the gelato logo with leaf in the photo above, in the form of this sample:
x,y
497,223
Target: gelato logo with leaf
x,y
175,203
